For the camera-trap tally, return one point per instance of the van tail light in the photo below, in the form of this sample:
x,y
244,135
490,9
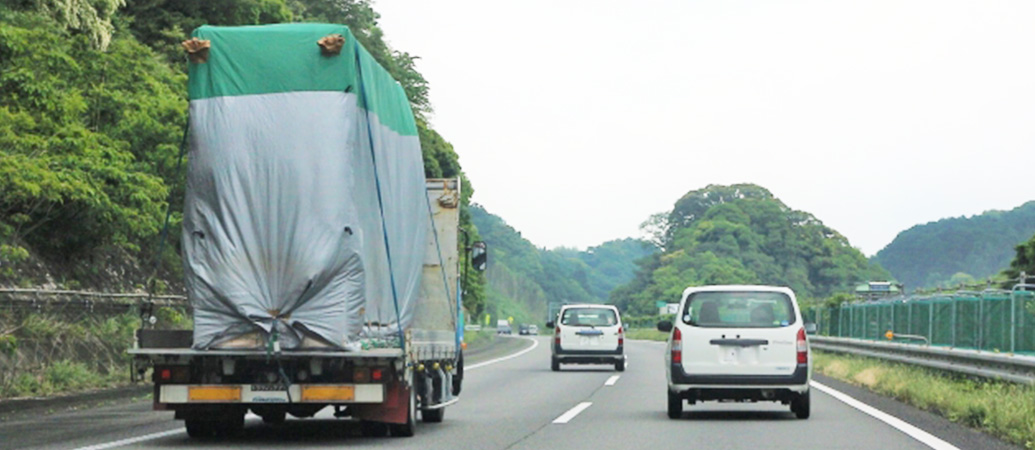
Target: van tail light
x,y
621,337
557,335
677,346
803,347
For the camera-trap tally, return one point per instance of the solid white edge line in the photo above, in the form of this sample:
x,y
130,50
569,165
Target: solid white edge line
x,y
611,381
535,344
910,430
146,437
564,418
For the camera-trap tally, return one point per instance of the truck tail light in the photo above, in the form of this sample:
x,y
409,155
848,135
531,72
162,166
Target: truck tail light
x,y
376,375
677,346
803,347
621,337
557,335
172,374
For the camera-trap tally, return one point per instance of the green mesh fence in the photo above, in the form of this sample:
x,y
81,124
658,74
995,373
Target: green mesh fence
x,y
998,321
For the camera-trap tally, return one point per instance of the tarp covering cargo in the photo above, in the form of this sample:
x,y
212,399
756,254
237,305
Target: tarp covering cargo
x,y
296,156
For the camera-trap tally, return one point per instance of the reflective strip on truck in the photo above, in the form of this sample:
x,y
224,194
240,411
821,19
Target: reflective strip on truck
x,y
264,393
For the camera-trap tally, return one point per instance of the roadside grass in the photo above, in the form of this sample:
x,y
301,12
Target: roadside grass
x,y
52,353
1005,410
647,334
478,339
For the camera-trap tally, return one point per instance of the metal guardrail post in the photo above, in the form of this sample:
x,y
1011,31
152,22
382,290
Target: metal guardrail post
x,y
909,317
1013,323
930,320
952,302
980,344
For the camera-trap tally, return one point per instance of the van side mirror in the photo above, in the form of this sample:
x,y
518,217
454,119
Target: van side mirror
x,y
479,256
810,328
549,324
665,325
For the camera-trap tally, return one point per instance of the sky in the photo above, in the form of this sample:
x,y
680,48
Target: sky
x,y
577,120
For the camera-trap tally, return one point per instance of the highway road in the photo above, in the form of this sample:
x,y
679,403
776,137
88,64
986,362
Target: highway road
x,y
511,400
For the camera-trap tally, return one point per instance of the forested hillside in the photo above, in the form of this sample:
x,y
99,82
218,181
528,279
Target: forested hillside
x,y
742,234
523,279
957,250
92,113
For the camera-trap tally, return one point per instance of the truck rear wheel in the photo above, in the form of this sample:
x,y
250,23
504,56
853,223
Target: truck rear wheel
x,y
432,415
369,428
203,428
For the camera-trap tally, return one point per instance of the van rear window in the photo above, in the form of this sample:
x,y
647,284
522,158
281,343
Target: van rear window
x,y
738,310
586,317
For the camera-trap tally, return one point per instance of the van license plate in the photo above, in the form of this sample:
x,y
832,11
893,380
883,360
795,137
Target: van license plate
x,y
731,355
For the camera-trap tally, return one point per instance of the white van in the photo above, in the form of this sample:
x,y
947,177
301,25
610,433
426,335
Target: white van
x,y
588,334
740,343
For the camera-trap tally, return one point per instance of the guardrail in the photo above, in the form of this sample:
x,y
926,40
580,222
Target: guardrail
x,y
38,300
1002,366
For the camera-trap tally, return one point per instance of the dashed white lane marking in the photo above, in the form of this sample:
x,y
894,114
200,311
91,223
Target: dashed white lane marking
x,y
146,437
566,417
611,381
535,344
913,432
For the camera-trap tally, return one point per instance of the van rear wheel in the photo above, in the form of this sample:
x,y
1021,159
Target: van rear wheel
x,y
555,365
675,406
801,406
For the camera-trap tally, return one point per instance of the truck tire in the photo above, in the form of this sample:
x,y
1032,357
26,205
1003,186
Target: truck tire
x,y
274,417
432,415
620,366
207,428
458,379
675,406
369,428
409,428
199,429
555,365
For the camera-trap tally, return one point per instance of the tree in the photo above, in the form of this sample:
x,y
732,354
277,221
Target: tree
x,y
1024,261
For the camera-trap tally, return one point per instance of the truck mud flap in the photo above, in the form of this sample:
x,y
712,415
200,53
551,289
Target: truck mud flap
x,y
395,409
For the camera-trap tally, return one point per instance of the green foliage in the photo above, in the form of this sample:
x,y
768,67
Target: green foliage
x,y
929,255
522,275
1024,261
741,234
81,133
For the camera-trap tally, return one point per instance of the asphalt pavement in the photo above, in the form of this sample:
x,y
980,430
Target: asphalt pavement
x,y
512,400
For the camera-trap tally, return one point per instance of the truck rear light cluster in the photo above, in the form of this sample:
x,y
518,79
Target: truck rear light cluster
x,y
621,337
803,347
557,335
677,346
172,374
376,374
361,375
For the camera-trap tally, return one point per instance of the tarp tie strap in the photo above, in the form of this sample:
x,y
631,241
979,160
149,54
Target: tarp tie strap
x,y
156,259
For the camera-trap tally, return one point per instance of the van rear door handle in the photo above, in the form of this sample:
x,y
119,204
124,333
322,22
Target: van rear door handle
x,y
740,342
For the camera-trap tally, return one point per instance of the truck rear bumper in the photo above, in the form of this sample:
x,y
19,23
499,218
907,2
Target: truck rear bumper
x,y
174,394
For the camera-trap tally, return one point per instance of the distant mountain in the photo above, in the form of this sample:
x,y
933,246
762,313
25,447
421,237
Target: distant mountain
x,y
742,234
523,279
975,247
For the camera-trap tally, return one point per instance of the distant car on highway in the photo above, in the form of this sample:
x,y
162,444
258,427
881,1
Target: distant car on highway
x,y
739,343
523,329
588,334
533,329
